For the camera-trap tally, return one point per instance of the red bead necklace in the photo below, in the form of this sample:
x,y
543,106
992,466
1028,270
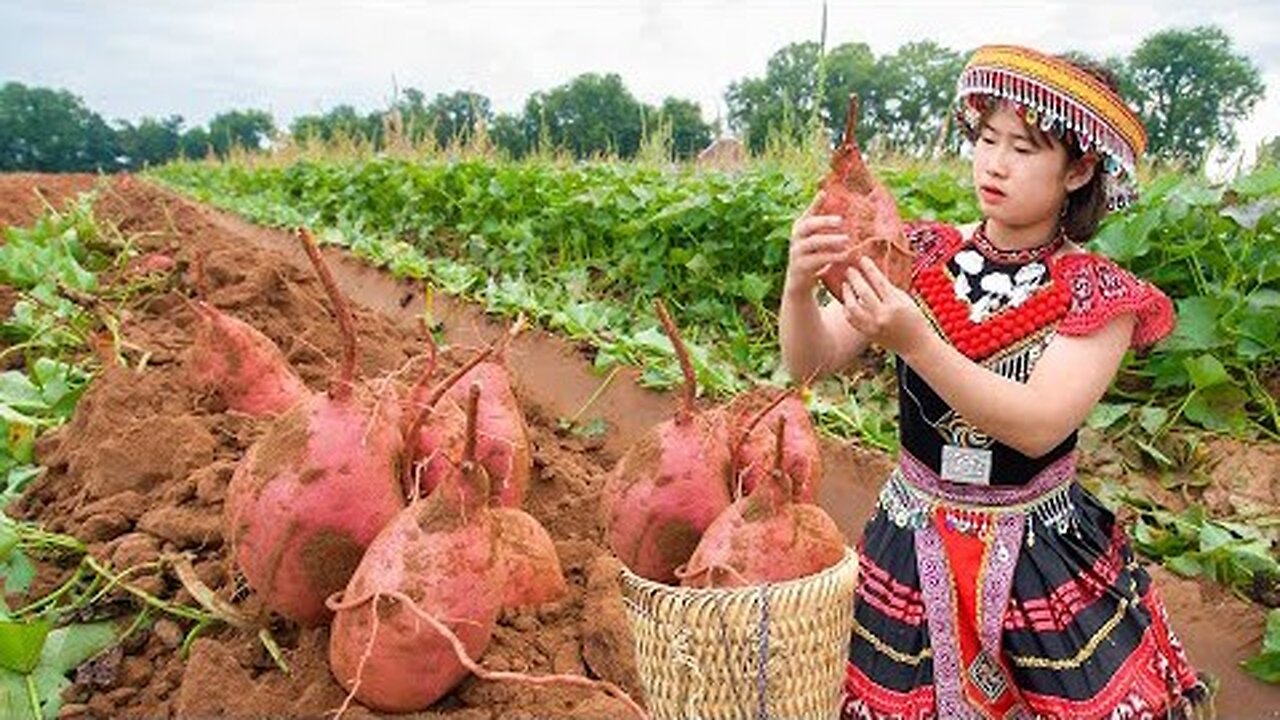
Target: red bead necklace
x,y
1045,307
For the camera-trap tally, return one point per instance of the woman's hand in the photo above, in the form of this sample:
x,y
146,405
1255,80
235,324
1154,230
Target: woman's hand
x,y
816,242
882,313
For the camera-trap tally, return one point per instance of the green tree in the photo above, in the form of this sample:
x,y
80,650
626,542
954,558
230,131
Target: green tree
x,y
1192,90
412,108
340,121
247,129
782,101
195,143
455,116
913,94
851,68
150,142
52,131
591,114
510,135
689,132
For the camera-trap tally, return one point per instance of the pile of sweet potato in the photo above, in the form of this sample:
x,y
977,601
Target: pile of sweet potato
x,y
722,496
390,511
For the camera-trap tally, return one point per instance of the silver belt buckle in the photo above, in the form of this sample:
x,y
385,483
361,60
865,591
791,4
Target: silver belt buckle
x,y
967,466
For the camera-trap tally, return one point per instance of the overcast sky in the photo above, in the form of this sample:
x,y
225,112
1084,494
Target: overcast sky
x,y
195,59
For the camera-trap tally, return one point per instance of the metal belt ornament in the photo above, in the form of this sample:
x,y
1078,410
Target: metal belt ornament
x,y
966,465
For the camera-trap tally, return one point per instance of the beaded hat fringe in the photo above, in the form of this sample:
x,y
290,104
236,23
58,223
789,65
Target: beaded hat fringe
x,y
1058,97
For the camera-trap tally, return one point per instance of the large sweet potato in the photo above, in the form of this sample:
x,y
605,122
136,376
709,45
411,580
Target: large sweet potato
x,y
752,418
766,536
317,487
668,487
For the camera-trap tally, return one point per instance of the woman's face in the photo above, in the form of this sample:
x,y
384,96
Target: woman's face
x,y
1021,183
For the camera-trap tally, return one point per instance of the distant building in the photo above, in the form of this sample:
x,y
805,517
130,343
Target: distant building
x,y
724,153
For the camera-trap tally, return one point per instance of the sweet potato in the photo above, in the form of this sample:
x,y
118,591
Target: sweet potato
x,y
312,493
752,417
437,557
870,215
668,487
531,574
434,441
232,358
434,580
530,568
766,536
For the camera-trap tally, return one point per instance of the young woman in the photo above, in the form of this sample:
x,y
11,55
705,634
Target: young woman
x,y
992,584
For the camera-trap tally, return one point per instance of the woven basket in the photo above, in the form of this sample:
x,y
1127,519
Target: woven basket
x,y
769,651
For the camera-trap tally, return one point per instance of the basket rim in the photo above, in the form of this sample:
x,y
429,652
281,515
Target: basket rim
x,y
630,579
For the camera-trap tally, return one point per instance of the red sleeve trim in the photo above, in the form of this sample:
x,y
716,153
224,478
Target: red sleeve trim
x,y
1101,291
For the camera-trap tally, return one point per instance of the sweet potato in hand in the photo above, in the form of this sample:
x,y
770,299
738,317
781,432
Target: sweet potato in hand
x,y
869,213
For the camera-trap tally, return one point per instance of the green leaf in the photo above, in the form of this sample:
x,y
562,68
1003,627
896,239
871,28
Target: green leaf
x,y
1262,181
13,417
1152,418
1206,371
8,540
21,643
69,646
1221,407
755,287
1257,326
1125,240
17,478
1195,194
64,649
1271,640
1168,371
595,427
18,392
18,572
1265,666
1197,327
1104,415
1184,565
1213,536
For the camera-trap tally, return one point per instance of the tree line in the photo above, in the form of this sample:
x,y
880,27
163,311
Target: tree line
x,y
1190,87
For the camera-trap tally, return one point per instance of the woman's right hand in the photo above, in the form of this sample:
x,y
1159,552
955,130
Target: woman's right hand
x,y
816,242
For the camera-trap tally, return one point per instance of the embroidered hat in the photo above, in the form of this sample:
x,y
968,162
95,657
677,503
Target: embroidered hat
x,y
1059,97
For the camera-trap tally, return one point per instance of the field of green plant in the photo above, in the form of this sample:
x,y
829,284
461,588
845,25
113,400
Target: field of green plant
x,y
583,250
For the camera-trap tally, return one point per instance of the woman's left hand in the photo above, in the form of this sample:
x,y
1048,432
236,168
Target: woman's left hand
x,y
883,313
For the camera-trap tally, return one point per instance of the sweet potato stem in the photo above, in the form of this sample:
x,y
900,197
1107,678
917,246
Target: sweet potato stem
x,y
849,159
755,419
340,387
685,413
781,480
474,476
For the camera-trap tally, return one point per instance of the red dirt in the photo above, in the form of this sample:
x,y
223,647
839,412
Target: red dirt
x,y
143,467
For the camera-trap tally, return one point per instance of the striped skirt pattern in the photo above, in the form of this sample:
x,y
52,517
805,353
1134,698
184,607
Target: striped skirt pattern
x,y
1007,602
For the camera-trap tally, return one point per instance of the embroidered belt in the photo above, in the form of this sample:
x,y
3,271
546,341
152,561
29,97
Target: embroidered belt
x,y
913,494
